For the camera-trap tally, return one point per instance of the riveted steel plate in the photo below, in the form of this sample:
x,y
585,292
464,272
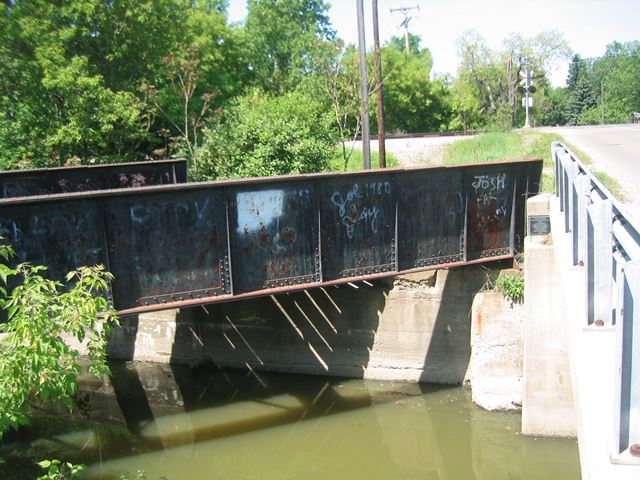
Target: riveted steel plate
x,y
490,196
62,236
358,225
165,248
431,218
24,183
274,236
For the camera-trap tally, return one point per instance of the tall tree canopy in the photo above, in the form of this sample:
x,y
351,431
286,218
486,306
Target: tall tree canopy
x,y
82,80
282,39
412,101
489,79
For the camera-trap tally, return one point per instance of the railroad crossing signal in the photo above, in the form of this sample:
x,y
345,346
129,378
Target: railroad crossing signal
x,y
525,89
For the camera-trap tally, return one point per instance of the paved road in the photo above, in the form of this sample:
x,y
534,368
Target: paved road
x,y
615,150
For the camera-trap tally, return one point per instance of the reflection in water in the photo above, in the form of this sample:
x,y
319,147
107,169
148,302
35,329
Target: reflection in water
x,y
210,423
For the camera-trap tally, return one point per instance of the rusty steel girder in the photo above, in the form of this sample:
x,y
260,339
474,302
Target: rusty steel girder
x,y
51,181
178,245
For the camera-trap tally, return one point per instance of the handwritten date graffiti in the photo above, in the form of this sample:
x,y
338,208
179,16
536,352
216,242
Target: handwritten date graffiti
x,y
352,208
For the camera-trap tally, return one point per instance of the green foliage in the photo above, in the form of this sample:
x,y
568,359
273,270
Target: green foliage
x,y
35,361
604,89
495,146
511,287
553,109
57,470
581,100
86,80
412,101
265,135
486,147
54,104
283,39
488,80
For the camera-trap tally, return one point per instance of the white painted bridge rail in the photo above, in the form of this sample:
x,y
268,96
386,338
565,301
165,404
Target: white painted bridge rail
x,y
606,243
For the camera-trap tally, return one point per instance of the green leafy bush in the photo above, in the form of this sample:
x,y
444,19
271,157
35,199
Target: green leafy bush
x,y
266,135
35,361
511,287
57,470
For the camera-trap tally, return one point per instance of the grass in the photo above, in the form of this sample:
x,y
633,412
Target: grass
x,y
356,161
511,287
494,146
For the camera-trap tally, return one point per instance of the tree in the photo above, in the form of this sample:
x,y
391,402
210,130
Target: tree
x,y
282,37
493,77
553,110
533,56
616,75
54,105
480,72
339,85
580,90
87,80
264,134
194,79
412,101
577,69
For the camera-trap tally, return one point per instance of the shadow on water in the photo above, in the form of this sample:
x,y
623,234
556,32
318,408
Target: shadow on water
x,y
199,418
205,422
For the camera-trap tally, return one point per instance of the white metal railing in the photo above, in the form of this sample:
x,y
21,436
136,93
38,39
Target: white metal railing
x,y
606,241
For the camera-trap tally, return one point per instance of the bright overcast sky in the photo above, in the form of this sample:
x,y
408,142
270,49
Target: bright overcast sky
x,y
588,25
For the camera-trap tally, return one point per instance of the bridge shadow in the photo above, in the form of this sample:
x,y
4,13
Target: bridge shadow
x,y
330,331
324,331
449,347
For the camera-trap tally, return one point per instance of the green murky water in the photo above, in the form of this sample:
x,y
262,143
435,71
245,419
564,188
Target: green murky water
x,y
207,423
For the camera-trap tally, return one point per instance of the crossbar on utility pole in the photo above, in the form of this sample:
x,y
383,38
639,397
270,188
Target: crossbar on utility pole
x,y
405,23
364,90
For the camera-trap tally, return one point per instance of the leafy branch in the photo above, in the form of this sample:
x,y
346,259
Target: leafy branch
x,y
36,363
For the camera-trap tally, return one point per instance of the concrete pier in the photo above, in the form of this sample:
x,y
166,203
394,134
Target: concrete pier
x,y
413,327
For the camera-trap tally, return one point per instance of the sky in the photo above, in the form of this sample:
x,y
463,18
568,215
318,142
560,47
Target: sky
x,y
588,25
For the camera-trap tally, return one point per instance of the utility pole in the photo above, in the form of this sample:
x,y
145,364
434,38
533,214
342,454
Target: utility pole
x,y
376,47
364,90
405,23
602,101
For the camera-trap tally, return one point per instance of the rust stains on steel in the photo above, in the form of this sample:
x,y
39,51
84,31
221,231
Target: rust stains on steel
x,y
188,244
50,181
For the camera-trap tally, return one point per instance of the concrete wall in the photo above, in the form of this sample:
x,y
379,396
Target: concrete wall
x,y
495,369
413,327
547,407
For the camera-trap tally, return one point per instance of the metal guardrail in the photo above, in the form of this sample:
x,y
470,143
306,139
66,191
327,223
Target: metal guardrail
x,y
606,241
51,181
188,244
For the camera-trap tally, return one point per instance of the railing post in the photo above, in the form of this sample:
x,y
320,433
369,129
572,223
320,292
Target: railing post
x,y
629,355
582,187
571,171
599,262
556,151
